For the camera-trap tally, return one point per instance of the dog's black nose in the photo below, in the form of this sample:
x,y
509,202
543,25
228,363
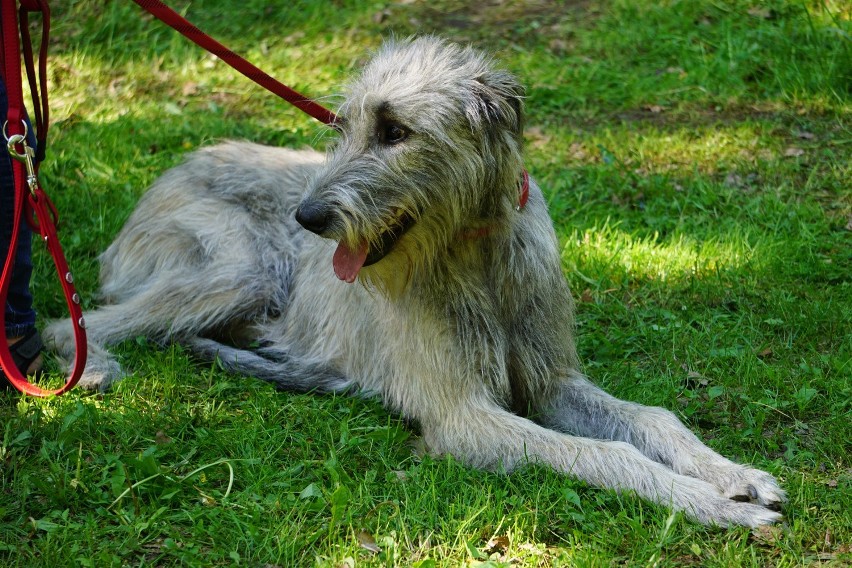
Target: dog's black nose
x,y
313,216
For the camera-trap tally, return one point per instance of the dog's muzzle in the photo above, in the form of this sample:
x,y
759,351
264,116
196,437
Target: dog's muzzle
x,y
347,260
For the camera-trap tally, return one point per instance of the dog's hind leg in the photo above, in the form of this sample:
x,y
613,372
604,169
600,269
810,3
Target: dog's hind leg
x,y
101,367
285,370
175,305
583,409
105,325
482,434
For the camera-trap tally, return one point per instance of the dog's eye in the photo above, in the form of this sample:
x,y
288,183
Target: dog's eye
x,y
393,133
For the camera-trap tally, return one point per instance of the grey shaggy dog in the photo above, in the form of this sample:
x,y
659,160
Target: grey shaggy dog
x,y
423,279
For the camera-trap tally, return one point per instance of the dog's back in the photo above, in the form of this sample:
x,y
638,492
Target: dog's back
x,y
210,249
231,201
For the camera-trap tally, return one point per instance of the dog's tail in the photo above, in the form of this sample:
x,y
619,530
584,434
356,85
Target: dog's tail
x,y
272,365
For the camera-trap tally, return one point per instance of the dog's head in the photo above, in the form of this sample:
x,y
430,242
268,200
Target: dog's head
x,y
430,144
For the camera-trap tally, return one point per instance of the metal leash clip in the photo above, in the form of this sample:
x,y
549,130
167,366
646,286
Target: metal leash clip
x,y
26,157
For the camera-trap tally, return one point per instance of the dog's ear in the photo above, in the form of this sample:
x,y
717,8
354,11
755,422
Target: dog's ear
x,y
498,100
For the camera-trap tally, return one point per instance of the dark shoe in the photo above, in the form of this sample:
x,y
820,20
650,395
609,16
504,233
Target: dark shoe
x,y
24,352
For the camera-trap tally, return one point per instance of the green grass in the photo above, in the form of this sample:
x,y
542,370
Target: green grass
x,y
696,157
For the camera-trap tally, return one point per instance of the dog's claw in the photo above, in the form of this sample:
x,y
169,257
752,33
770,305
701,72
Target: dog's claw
x,y
746,484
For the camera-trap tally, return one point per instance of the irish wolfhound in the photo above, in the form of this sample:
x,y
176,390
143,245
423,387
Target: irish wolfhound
x,y
461,318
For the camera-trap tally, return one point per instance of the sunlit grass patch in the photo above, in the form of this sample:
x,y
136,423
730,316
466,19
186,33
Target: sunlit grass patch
x,y
676,146
608,254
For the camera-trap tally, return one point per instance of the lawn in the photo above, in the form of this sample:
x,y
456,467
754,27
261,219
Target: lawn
x,y
696,157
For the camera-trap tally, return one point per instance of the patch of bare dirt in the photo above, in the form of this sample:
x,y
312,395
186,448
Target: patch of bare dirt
x,y
494,21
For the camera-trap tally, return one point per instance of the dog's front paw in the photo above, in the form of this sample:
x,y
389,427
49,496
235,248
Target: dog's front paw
x,y
705,502
748,484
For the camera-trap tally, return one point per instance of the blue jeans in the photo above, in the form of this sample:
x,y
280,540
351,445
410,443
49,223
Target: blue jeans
x,y
20,315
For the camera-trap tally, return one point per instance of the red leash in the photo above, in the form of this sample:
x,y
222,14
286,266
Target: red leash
x,y
31,202
195,35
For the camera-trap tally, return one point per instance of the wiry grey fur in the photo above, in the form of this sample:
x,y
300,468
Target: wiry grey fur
x,y
464,326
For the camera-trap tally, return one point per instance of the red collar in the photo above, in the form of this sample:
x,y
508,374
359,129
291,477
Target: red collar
x,y
523,197
524,191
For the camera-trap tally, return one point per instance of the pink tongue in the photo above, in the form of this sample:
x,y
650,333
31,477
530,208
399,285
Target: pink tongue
x,y
348,262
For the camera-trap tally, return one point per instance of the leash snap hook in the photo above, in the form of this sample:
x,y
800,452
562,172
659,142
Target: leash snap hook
x,y
26,157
